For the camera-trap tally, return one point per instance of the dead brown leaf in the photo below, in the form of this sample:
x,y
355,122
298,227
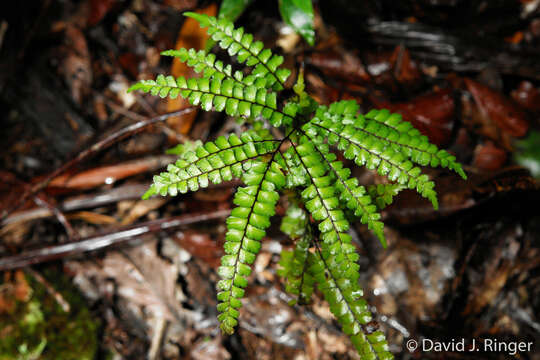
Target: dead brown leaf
x,y
191,36
14,288
142,278
209,349
145,279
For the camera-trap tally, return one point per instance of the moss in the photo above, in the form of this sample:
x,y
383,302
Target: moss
x,y
37,327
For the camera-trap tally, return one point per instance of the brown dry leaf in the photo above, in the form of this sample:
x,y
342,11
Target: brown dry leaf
x,y
405,69
11,188
98,10
432,114
339,63
209,349
22,290
527,95
181,5
92,218
313,347
12,289
509,117
145,279
331,342
489,289
270,318
489,157
102,175
412,278
200,245
76,66
191,36
142,208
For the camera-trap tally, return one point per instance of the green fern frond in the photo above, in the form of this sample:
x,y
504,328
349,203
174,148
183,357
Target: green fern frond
x,y
213,162
183,148
416,145
206,63
294,264
400,135
246,227
344,296
321,200
247,51
229,95
353,195
383,194
297,175
370,151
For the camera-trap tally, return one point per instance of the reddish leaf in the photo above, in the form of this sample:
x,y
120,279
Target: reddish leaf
x,y
107,174
432,114
489,157
130,62
191,36
405,69
200,245
340,64
507,115
527,96
98,10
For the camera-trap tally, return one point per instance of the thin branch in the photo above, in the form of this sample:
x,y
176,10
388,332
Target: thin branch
x,y
43,201
104,240
94,200
99,146
136,117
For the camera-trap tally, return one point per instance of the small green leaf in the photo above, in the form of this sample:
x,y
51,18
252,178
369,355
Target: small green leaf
x,y
528,153
201,18
232,9
299,15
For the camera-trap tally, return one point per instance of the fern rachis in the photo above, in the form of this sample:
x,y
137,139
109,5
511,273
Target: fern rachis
x,y
303,162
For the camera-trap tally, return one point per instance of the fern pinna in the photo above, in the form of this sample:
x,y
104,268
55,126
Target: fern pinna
x,y
325,196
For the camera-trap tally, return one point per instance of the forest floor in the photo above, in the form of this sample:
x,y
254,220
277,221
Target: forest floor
x,y
90,271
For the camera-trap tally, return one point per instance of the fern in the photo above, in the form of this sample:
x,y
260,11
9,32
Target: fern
x,y
294,264
324,192
247,51
383,194
214,162
247,224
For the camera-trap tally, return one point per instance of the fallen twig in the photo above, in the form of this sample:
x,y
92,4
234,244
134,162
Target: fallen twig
x,y
104,240
134,116
111,196
42,201
100,145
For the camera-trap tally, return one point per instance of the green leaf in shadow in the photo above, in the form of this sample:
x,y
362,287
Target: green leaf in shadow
x,y
299,15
